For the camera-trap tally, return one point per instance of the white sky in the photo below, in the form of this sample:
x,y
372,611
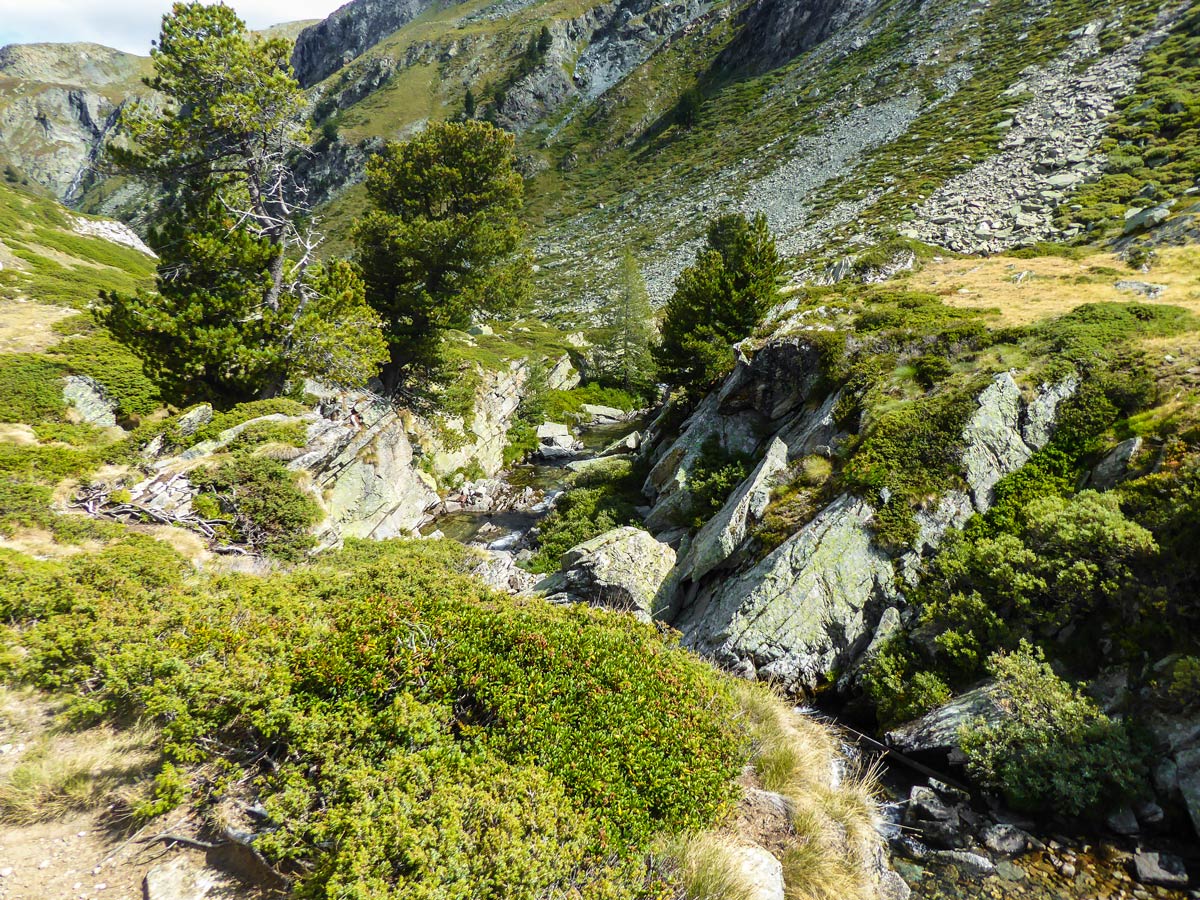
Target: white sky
x,y
130,24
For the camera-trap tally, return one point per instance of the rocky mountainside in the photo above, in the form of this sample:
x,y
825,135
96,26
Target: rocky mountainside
x,y
58,104
974,126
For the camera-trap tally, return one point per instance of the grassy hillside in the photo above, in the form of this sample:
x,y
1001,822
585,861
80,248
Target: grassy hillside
x,y
46,260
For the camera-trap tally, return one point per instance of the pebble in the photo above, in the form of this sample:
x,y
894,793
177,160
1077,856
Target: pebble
x,y
6,872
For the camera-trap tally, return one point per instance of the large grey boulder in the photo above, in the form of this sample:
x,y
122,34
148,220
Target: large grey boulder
x,y
724,532
938,730
623,569
1037,422
807,608
993,443
90,401
1160,869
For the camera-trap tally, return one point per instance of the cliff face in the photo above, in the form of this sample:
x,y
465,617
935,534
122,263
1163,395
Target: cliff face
x,y
57,104
774,31
326,47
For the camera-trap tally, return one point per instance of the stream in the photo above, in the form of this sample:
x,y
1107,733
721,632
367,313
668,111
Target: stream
x,y
1061,865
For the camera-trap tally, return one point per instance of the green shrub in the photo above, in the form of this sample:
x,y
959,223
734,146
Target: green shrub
x,y
601,499
1053,750
714,475
410,733
30,388
931,368
271,513
114,367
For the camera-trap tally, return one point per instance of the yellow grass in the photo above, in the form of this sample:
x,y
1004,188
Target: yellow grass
x,y
51,773
1054,286
28,327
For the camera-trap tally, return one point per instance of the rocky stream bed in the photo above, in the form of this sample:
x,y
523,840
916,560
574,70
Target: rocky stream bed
x,y
946,843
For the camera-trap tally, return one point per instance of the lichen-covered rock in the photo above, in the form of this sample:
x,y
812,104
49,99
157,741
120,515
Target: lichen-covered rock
x,y
721,535
622,569
90,401
1110,470
993,442
938,730
667,482
1037,423
805,609
361,460
194,419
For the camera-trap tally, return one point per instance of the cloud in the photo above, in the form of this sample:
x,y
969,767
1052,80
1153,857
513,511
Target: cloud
x,y
129,25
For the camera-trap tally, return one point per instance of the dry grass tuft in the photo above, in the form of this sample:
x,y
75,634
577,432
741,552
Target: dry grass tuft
x,y
834,812
51,773
708,870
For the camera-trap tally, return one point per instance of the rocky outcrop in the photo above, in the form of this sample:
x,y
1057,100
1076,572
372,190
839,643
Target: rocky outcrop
x,y
829,593
323,49
623,569
719,539
804,609
938,730
667,482
90,401
774,31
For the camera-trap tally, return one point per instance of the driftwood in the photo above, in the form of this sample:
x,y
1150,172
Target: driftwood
x,y
96,501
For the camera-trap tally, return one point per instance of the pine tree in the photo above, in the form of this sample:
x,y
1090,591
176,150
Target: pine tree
x,y
240,308
718,301
629,328
441,243
469,104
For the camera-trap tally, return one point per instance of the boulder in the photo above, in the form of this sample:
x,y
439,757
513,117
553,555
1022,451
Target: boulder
x,y
1147,290
803,610
562,375
194,419
759,873
555,441
725,531
937,730
1122,821
602,415
628,444
970,864
1037,422
1187,775
90,401
363,465
1151,217
1112,469
623,569
1005,839
994,446
1161,869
